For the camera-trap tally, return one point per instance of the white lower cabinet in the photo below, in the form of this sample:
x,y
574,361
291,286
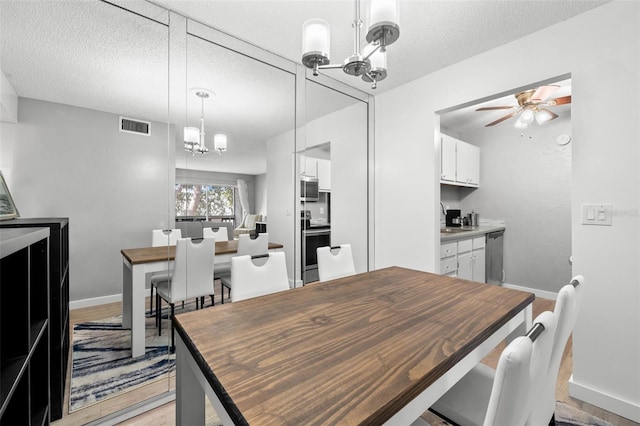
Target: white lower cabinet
x,y
464,259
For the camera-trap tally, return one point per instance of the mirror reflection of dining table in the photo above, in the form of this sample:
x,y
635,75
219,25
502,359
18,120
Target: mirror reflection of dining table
x,y
378,347
137,266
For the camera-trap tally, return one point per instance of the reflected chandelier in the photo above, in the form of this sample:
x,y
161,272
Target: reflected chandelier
x,y
194,137
371,62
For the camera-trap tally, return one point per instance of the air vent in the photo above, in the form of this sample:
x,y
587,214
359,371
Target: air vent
x,y
138,127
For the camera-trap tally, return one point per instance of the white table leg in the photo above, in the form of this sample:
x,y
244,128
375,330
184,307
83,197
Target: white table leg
x,y
189,392
137,311
126,293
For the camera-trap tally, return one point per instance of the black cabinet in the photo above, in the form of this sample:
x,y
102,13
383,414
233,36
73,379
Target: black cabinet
x,y
58,301
24,327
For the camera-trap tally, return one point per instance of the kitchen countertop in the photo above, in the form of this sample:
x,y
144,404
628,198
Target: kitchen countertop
x,y
469,232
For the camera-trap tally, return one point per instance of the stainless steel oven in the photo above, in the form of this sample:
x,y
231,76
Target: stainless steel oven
x,y
311,240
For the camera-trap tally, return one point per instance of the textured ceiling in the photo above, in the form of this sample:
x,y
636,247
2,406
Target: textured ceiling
x,y
93,55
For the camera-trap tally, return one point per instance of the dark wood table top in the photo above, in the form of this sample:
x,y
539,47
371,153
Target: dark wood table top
x,y
156,254
349,351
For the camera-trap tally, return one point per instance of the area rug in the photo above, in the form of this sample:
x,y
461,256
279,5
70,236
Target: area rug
x,y
102,366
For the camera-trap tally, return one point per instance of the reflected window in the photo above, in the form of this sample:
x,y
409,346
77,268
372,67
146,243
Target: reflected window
x,y
205,202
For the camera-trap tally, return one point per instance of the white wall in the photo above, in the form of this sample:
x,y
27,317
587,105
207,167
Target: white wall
x,y
346,129
64,161
261,194
282,197
600,49
526,181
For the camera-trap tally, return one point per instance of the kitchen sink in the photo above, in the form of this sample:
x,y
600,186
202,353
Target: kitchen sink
x,y
454,230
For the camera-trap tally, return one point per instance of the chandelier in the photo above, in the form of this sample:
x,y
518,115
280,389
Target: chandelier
x,y
370,63
194,137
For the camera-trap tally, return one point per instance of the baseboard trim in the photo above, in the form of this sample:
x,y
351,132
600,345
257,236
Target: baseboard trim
x,y
97,301
623,408
135,410
543,294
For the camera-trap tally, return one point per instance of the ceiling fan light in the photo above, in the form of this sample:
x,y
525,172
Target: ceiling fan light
x,y
527,116
542,116
519,124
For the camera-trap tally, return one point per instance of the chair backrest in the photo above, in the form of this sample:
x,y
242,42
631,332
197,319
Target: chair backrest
x,y
163,237
193,268
520,375
252,247
335,262
566,311
252,279
220,234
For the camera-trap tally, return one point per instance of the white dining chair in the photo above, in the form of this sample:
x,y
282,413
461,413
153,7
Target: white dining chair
x,y
566,311
247,246
165,237
191,278
220,234
258,275
335,262
503,397
159,238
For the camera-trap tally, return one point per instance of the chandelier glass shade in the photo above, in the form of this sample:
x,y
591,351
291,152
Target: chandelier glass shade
x,y
370,62
220,143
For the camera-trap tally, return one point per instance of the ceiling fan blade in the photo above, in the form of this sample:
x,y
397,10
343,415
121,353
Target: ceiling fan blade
x,y
543,92
500,120
560,101
496,107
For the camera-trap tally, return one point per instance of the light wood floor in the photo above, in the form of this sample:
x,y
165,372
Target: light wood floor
x,y
165,415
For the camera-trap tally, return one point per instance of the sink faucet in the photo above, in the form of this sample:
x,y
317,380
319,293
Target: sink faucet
x,y
444,211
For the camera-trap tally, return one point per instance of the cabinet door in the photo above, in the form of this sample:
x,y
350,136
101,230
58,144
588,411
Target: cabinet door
x,y
478,266
468,164
447,159
324,175
311,167
465,269
448,266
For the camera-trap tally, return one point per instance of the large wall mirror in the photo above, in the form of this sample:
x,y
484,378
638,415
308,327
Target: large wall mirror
x,y
77,70
335,162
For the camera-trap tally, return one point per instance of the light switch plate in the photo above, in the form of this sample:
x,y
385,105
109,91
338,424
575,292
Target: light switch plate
x,y
597,214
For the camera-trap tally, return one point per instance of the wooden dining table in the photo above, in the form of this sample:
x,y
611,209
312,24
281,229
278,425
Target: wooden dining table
x,y
375,348
137,266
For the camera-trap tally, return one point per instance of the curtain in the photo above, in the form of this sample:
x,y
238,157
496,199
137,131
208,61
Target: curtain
x,y
244,197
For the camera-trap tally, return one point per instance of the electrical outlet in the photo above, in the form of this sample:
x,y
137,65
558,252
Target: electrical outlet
x,y
597,214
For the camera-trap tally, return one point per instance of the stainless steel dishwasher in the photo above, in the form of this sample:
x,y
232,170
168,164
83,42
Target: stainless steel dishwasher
x,y
493,259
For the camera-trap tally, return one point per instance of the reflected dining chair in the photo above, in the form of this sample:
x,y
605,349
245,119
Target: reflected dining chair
x,y
162,237
258,275
220,235
191,278
247,246
566,311
503,397
335,262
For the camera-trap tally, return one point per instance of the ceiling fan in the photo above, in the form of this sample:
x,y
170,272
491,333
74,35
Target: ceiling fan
x,y
531,105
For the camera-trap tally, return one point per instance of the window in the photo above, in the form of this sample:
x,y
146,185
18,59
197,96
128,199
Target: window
x,y
209,202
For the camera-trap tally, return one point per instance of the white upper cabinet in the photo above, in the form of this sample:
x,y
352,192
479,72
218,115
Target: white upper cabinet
x,y
311,167
324,175
459,162
448,160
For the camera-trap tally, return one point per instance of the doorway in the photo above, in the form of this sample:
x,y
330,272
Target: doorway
x,y
525,182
